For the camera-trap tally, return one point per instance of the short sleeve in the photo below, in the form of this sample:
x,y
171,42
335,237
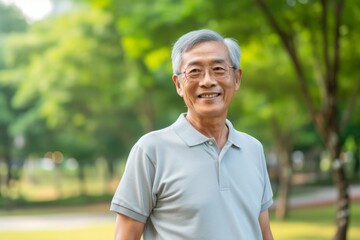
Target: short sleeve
x,y
134,197
267,199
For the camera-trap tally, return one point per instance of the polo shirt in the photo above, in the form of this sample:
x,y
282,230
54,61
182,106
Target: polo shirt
x,y
181,186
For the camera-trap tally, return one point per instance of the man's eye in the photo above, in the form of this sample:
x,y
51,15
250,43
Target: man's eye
x,y
219,69
194,71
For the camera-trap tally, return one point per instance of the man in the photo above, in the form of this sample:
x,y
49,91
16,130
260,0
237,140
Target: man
x,y
198,178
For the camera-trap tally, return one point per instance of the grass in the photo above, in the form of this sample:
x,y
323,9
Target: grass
x,y
314,224
101,232
304,224
92,232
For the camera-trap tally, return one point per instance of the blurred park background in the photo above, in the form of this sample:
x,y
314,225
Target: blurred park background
x,y
81,80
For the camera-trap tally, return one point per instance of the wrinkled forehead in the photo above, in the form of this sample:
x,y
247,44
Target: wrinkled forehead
x,y
206,53
211,63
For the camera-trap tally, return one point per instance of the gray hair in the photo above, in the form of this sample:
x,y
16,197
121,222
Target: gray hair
x,y
191,39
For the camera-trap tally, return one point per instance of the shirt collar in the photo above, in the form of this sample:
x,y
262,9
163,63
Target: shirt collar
x,y
193,137
232,135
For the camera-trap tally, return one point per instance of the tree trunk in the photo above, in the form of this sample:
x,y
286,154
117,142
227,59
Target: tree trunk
x,y
1,187
284,183
283,144
109,177
58,181
356,159
81,177
8,163
341,183
343,203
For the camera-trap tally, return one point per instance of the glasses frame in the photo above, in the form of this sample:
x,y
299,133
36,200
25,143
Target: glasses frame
x,y
188,79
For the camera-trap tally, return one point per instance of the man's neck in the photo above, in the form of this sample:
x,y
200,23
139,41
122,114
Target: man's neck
x,y
211,127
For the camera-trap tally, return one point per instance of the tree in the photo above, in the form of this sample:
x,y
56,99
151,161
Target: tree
x,y
317,27
69,75
11,21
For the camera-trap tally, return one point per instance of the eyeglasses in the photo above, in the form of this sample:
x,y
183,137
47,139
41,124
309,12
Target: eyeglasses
x,y
217,72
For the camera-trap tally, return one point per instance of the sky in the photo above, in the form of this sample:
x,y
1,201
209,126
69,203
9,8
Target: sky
x,y
32,9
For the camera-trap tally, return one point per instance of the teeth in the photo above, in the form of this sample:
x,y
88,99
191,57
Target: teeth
x,y
209,95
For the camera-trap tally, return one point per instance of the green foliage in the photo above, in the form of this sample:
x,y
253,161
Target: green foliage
x,y
11,20
90,81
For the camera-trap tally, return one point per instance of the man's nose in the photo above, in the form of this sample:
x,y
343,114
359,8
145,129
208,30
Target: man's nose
x,y
208,80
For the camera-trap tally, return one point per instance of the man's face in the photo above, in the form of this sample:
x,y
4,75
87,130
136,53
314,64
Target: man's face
x,y
209,95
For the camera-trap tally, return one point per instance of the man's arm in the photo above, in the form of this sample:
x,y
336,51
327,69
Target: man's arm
x,y
265,225
127,228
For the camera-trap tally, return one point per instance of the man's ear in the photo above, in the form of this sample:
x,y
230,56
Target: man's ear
x,y
238,75
177,83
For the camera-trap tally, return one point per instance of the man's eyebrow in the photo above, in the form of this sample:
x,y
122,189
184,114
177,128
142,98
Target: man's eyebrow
x,y
218,61
195,63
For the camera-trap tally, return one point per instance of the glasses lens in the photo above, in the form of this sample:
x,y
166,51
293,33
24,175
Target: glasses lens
x,y
218,72
194,73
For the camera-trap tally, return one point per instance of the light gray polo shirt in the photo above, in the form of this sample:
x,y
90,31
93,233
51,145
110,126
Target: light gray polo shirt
x,y
179,184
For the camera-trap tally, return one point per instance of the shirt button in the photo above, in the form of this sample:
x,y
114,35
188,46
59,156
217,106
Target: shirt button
x,y
210,142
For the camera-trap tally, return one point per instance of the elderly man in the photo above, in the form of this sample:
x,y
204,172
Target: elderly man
x,y
198,178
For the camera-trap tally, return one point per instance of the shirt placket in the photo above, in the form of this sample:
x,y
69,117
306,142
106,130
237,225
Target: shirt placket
x,y
221,169
223,174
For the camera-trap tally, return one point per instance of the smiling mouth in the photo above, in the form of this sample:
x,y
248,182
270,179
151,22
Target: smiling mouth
x,y
209,95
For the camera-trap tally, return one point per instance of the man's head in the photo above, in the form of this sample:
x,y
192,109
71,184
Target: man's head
x,y
191,39
206,73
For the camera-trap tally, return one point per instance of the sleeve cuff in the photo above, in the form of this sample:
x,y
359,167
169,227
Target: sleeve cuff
x,y
266,205
128,212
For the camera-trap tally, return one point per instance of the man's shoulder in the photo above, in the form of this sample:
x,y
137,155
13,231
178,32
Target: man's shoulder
x,y
165,134
244,135
155,136
240,138
245,138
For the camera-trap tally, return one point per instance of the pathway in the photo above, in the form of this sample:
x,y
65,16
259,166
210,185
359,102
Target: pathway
x,y
325,195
